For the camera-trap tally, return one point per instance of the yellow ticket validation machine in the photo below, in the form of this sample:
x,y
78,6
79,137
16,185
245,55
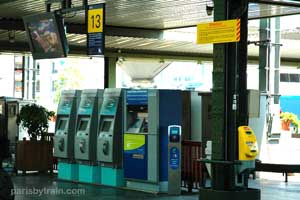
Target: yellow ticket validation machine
x,y
248,149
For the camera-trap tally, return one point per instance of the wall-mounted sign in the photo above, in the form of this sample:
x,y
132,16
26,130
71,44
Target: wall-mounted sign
x,y
95,19
219,32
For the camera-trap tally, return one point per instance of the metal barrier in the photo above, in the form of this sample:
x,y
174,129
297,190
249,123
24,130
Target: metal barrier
x,y
192,172
49,137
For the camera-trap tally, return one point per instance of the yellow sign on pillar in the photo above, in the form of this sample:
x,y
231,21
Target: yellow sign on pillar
x,y
219,32
95,20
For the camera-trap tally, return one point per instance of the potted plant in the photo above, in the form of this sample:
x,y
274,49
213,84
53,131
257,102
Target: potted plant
x,y
295,133
36,154
286,119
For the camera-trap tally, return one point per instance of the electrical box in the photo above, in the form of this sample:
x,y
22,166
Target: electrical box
x,y
248,149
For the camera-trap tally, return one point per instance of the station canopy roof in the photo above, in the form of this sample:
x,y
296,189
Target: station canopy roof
x,y
132,26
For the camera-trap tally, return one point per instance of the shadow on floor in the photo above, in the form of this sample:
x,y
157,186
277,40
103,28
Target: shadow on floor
x,y
44,187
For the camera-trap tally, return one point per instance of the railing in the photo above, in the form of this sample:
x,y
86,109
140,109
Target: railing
x,y
49,137
191,170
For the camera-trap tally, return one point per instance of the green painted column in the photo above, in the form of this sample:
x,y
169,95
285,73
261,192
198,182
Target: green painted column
x,y
110,72
264,35
229,94
218,100
277,60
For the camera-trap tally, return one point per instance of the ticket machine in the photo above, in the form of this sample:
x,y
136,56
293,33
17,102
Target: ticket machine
x,y
147,115
65,125
174,159
247,152
86,135
65,133
110,140
9,129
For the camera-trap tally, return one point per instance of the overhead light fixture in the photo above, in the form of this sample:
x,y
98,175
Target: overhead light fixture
x,y
120,60
209,7
11,36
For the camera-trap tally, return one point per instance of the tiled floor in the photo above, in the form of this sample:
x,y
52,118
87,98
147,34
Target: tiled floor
x,y
271,190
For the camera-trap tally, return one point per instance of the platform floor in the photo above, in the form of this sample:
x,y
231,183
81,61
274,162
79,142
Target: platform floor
x,y
44,187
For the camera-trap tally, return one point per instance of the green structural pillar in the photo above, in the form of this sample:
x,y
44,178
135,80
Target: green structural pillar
x,y
110,72
229,109
264,36
277,60
218,93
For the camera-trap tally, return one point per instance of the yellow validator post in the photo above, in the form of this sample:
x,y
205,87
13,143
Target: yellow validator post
x,y
248,149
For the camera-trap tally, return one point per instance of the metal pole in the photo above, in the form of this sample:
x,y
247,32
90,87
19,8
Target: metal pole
x,y
264,35
278,3
277,61
23,76
106,72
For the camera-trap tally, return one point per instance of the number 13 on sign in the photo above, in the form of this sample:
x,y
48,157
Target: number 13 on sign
x,y
95,21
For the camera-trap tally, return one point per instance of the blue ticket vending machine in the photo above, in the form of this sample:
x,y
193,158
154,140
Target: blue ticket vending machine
x,y
110,140
86,136
147,115
65,133
174,160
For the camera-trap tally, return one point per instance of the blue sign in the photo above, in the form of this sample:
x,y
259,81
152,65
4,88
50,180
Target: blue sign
x,y
135,157
174,161
137,97
95,18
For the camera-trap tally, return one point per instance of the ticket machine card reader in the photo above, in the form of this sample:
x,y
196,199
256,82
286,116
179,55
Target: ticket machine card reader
x,y
174,160
83,134
62,131
137,126
248,149
105,141
174,134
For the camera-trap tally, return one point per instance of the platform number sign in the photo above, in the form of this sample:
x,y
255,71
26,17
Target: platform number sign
x,y
95,19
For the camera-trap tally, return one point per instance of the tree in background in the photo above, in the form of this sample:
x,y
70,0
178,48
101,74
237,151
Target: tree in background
x,y
69,78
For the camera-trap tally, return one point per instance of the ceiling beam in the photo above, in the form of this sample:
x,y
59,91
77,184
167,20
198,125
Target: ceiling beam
x,y
17,24
23,47
278,3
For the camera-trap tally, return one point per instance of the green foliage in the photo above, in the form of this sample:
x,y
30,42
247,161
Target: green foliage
x,y
34,118
70,78
292,118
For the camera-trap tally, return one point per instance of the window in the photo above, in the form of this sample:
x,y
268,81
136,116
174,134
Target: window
x,y
292,78
53,86
54,70
284,77
37,89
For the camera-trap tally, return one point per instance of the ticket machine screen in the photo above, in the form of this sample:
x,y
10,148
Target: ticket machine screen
x,y
62,124
83,125
174,134
106,126
66,102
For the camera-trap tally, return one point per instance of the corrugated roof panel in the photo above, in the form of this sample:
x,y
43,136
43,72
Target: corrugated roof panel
x,y
157,14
